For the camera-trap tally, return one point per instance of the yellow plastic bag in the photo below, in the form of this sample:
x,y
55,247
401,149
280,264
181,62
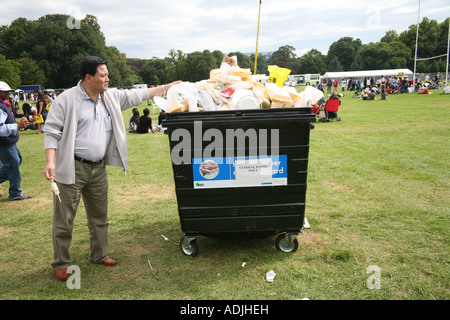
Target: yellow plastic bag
x,y
278,75
39,119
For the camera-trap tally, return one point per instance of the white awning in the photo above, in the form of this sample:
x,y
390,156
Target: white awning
x,y
369,73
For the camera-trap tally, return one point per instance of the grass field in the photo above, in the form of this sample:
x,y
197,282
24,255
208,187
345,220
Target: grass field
x,y
378,195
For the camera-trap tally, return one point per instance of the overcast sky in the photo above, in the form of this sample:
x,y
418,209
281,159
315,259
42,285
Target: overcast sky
x,y
150,28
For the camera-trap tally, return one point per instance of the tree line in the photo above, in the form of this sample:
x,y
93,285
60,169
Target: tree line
x,y
47,52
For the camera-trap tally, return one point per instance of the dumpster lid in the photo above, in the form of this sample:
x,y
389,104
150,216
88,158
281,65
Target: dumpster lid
x,y
305,113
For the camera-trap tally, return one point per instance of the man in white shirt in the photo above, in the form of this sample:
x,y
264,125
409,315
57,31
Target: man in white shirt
x,y
84,132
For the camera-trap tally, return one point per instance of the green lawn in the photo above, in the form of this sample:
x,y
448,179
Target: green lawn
x,y
378,195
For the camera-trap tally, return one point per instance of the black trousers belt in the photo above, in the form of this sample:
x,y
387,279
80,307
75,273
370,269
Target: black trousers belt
x,y
92,163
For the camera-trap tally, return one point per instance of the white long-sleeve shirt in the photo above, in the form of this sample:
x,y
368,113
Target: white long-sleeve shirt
x,y
7,129
61,128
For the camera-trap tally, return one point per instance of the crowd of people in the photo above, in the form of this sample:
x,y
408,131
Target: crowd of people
x,y
34,112
35,107
143,124
368,87
37,104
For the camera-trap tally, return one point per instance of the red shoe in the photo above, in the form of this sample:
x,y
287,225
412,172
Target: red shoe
x,y
61,274
109,262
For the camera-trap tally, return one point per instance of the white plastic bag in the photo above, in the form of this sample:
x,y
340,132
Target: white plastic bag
x,y
316,94
193,104
206,101
270,276
245,85
308,97
181,92
225,69
243,99
162,103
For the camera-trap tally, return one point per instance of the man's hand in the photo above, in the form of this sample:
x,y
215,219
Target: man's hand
x,y
48,172
50,164
22,124
157,91
172,84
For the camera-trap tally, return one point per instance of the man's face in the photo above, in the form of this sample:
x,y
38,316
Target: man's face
x,y
99,82
4,95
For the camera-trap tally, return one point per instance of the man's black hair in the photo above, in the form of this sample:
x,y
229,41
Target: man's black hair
x,y
89,65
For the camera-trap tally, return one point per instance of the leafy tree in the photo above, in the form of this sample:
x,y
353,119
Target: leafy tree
x,y
162,69
47,46
358,63
384,55
177,64
312,62
30,73
14,39
284,57
120,73
219,56
335,64
261,64
243,60
428,38
199,64
390,36
149,74
443,37
56,49
343,51
51,40
432,42
10,71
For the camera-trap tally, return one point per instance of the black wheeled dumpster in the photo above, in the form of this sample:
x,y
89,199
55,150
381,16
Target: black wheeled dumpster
x,y
240,171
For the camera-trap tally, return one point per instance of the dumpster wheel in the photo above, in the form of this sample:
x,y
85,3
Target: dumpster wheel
x,y
189,246
287,242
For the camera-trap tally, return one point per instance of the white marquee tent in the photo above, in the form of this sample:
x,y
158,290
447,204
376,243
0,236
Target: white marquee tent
x,y
369,73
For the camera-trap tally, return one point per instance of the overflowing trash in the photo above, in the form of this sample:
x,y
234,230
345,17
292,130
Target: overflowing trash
x,y
232,88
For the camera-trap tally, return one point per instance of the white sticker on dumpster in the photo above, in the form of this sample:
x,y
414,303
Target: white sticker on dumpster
x,y
253,172
231,172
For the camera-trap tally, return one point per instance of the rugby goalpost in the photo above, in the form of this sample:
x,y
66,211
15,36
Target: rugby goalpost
x,y
422,59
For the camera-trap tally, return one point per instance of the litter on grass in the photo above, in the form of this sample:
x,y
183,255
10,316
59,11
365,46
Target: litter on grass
x,y
306,224
270,276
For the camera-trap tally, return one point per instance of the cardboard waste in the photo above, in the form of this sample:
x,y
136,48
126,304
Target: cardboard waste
x,y
232,88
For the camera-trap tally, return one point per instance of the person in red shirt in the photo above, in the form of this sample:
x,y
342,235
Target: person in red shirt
x,y
335,85
423,90
383,83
